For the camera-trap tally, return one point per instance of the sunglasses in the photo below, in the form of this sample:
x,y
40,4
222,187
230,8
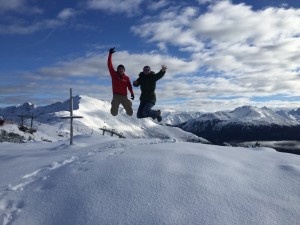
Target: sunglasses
x,y
147,70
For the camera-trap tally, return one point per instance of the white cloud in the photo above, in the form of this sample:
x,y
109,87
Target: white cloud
x,y
256,52
182,80
95,65
207,1
66,14
11,4
93,68
20,6
158,5
171,28
230,23
245,54
130,7
23,27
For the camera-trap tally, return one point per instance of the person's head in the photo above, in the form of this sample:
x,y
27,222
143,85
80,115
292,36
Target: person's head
x,y
121,69
146,69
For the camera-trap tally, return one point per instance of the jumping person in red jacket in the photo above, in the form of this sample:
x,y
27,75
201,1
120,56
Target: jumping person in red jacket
x,y
120,83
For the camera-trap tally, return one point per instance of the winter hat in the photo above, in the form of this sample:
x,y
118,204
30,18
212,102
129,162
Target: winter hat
x,y
119,66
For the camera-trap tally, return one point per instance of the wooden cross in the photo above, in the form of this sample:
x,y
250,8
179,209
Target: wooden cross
x,y
71,117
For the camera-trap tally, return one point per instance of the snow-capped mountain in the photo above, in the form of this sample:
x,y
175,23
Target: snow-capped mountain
x,y
96,114
244,114
174,118
246,123
28,108
259,116
295,114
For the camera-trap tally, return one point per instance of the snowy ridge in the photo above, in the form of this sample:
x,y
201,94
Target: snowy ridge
x,y
179,117
96,114
247,123
293,114
252,115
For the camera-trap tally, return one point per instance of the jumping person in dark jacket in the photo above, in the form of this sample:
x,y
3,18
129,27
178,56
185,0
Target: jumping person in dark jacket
x,y
147,82
120,83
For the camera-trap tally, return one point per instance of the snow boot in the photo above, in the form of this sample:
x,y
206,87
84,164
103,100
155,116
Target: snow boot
x,y
158,117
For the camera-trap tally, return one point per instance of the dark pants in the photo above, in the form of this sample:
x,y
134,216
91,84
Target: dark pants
x,y
145,110
124,101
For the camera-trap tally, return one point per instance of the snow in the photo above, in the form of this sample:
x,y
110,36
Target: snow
x,y
107,180
249,115
174,118
152,177
96,114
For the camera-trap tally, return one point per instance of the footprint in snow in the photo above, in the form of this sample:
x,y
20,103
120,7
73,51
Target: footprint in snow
x,y
291,169
10,210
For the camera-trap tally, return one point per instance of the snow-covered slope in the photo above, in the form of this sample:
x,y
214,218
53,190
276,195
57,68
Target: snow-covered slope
x,y
162,180
174,118
96,114
107,180
293,114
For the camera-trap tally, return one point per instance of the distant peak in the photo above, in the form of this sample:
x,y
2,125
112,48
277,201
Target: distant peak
x,y
27,106
245,108
76,101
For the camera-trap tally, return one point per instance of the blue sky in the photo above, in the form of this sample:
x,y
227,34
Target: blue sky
x,y
220,54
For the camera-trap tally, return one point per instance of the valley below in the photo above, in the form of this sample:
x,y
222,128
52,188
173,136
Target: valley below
x,y
288,146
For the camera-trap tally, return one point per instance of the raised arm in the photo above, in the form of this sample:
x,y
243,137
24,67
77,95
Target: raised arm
x,y
161,73
109,61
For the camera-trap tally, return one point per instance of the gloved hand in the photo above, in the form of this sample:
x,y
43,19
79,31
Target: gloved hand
x,y
135,83
132,97
112,50
164,68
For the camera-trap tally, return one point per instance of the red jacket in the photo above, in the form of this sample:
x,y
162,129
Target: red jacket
x,y
120,83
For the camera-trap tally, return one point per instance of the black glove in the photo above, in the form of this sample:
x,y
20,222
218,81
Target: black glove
x,y
135,83
132,96
112,50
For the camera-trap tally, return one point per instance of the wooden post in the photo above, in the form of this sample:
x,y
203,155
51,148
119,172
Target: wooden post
x,y
71,117
22,120
31,124
23,127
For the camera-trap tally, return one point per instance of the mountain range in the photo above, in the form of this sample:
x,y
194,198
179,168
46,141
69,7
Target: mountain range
x,y
243,124
246,123
96,115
